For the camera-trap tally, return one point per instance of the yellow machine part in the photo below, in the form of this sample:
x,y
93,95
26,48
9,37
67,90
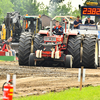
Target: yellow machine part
x,y
11,33
3,33
91,3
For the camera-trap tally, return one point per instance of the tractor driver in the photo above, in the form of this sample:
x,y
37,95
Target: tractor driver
x,y
58,29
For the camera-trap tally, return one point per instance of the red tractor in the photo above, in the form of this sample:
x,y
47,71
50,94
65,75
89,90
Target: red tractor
x,y
75,48
54,49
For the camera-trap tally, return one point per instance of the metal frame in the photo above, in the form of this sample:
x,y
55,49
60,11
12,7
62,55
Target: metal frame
x,y
65,18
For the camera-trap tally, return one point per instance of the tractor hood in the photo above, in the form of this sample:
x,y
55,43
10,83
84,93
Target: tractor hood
x,y
55,38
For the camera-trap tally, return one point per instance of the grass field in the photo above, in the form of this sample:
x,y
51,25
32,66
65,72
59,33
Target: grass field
x,y
87,93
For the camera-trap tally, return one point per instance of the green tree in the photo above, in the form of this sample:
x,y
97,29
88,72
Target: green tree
x,y
57,1
53,9
1,18
31,7
6,6
60,9
43,9
18,6
76,12
65,10
26,6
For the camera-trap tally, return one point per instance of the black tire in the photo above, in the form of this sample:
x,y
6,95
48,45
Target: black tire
x,y
24,48
37,42
68,61
70,46
77,46
73,48
38,46
31,59
89,59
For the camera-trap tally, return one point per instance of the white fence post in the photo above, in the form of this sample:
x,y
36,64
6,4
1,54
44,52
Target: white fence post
x,y
14,82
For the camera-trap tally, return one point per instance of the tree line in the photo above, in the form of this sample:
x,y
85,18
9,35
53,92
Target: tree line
x,y
32,7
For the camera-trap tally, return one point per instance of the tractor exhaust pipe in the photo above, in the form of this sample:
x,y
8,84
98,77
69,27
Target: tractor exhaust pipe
x,y
50,28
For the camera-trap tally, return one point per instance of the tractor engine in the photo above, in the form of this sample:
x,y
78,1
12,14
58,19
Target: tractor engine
x,y
52,45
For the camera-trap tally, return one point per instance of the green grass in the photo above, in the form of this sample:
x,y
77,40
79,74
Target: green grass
x,y
7,58
87,93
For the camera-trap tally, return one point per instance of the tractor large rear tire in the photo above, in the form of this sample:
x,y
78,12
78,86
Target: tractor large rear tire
x,y
90,52
37,42
38,46
24,48
70,46
77,46
74,44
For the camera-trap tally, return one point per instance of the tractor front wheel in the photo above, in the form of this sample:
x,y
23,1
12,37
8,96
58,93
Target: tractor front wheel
x,y
31,59
24,48
68,61
90,52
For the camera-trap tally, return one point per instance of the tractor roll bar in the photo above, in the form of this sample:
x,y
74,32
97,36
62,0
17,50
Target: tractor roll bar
x,y
50,28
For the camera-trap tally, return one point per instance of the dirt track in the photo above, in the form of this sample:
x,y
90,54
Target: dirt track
x,y
40,80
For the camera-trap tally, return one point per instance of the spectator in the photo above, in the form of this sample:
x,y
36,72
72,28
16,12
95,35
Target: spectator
x,y
6,47
77,22
89,21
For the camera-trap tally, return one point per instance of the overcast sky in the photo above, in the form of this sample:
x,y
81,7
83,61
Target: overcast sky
x,y
75,3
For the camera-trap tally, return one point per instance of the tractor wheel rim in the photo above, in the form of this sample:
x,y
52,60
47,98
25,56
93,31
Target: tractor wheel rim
x,y
71,62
